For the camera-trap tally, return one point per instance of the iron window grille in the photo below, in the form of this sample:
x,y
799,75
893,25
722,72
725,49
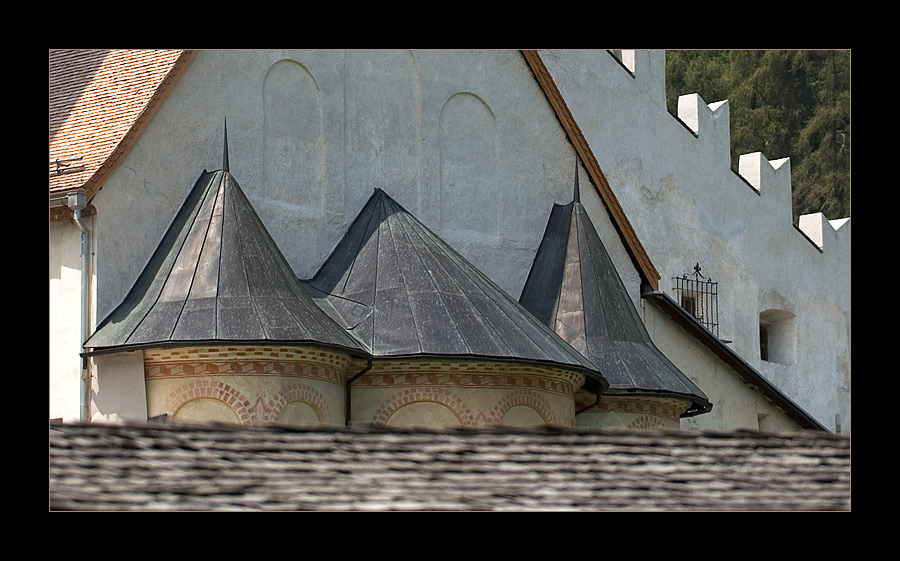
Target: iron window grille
x,y
699,296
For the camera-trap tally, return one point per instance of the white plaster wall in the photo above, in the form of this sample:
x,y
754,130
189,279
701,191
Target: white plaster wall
x,y
118,391
735,404
467,141
463,139
687,206
64,321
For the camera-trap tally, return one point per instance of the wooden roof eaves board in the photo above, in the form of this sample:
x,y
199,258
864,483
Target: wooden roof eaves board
x,y
123,148
620,221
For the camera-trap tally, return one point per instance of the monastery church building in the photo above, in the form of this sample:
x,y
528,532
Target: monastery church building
x,y
428,238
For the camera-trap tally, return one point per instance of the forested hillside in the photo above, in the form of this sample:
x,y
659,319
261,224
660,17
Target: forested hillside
x,y
784,104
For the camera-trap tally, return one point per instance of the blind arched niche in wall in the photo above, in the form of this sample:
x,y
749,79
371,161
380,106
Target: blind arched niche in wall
x,y
470,192
294,137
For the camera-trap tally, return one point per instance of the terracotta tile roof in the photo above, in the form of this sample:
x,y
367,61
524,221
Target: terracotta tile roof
x,y
100,100
217,467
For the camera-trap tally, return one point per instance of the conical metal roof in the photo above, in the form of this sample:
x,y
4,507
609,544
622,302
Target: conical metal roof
x,y
574,287
404,292
216,277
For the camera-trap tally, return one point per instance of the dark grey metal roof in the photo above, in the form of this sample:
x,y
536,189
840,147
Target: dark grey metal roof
x,y
404,292
573,286
174,467
217,276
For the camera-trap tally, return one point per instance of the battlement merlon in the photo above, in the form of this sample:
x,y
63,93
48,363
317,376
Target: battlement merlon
x,y
822,231
711,125
710,122
771,180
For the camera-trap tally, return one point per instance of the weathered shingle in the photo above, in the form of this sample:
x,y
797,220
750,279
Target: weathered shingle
x,y
215,467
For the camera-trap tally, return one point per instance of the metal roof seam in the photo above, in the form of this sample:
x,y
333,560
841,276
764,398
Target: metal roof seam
x,y
440,295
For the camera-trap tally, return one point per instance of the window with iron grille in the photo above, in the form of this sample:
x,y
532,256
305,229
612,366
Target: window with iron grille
x,y
698,295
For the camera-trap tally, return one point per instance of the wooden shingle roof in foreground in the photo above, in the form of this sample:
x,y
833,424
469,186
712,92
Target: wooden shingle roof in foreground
x,y
213,468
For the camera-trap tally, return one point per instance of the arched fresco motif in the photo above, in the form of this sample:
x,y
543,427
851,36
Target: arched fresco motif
x,y
441,396
529,398
645,422
300,404
423,413
206,410
522,416
209,389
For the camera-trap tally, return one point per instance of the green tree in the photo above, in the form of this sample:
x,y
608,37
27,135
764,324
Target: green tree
x,y
784,104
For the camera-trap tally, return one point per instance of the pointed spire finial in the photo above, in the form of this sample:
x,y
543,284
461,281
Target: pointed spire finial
x,y
225,151
577,190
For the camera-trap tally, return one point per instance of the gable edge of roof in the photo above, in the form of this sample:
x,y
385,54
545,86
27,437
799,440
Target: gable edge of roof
x,y
124,147
632,244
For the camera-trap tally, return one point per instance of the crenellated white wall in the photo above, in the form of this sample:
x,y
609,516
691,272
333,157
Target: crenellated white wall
x,y
673,177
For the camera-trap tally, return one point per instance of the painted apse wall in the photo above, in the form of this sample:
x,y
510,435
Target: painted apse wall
x,y
468,394
248,385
